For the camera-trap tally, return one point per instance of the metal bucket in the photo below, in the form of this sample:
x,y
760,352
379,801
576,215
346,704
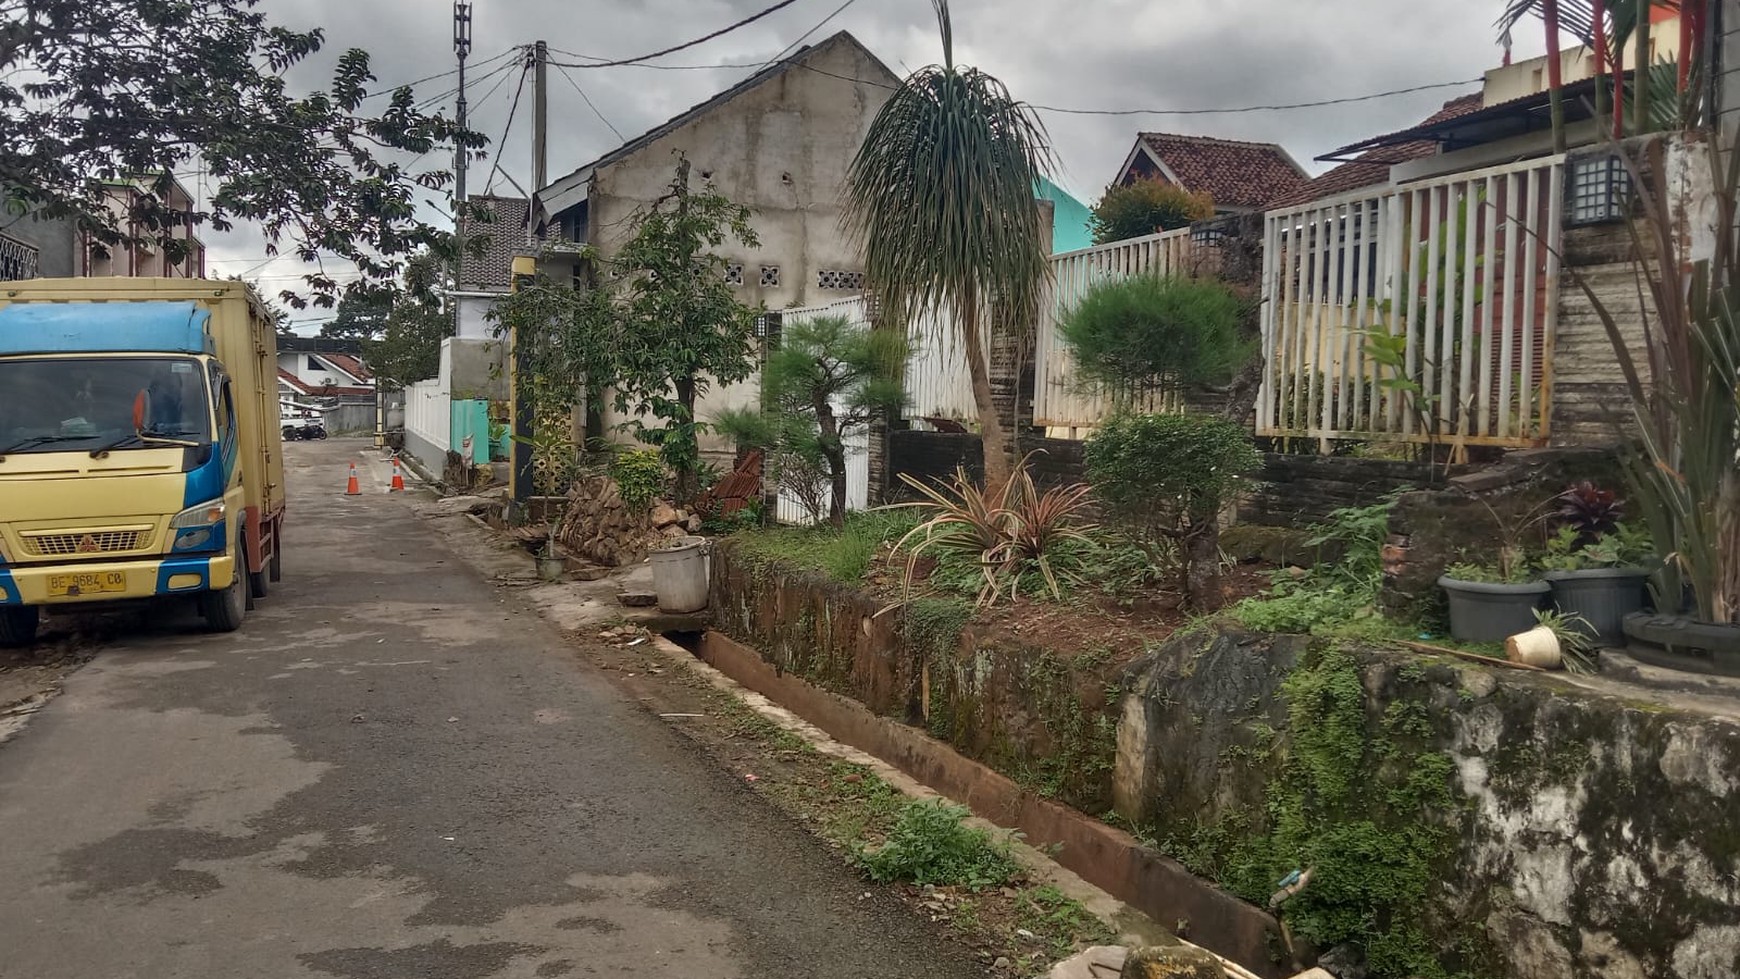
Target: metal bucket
x,y
680,574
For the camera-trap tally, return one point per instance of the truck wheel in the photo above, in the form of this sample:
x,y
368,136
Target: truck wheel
x,y
257,583
224,610
18,626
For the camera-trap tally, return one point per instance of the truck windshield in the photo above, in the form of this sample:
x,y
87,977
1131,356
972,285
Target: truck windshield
x,y
56,404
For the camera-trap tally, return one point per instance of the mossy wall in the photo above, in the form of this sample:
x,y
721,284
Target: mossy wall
x,y
1046,718
1459,821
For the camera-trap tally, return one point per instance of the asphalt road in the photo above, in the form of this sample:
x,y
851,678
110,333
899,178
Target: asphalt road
x,y
391,773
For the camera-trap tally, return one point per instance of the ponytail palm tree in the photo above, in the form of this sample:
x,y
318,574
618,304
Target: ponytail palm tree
x,y
941,197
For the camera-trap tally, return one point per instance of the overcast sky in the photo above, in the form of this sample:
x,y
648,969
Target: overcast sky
x,y
1088,54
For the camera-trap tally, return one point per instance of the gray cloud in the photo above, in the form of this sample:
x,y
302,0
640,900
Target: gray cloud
x,y
1172,54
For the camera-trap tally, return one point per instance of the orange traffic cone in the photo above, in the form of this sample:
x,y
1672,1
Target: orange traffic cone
x,y
398,485
352,488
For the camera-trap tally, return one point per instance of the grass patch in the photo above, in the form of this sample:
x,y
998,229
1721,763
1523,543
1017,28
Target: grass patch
x,y
844,554
1059,922
932,844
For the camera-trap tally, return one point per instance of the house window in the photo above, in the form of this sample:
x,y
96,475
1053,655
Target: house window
x,y
314,364
17,260
733,273
1597,190
770,277
837,279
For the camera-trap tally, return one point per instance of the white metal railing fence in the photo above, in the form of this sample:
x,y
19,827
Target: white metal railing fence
x,y
1420,313
429,413
1061,398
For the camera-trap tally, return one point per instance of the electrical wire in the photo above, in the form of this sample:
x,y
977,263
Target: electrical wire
x,y
721,32
388,90
788,49
489,182
588,100
1230,110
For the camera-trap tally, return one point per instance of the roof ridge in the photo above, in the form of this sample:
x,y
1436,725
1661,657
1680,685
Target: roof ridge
x,y
1211,139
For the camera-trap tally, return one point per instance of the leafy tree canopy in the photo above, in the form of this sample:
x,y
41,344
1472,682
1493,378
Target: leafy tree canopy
x,y
828,379
96,92
1147,207
669,328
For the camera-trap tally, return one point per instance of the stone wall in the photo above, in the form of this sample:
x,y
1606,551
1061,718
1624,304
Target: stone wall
x,y
1460,819
1432,529
1587,834
1300,490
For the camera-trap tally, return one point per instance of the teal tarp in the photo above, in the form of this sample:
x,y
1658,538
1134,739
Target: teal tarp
x,y
1072,227
471,420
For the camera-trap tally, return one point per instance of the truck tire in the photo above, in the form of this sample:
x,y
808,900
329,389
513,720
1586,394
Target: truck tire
x,y
257,583
224,610
18,626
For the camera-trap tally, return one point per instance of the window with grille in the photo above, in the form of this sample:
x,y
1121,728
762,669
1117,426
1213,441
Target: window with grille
x,y
770,276
1597,190
733,273
17,260
838,279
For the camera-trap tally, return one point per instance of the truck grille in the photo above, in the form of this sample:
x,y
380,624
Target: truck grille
x,y
96,542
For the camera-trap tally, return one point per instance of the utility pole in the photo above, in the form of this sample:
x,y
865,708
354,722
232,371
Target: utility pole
x,y
540,116
462,47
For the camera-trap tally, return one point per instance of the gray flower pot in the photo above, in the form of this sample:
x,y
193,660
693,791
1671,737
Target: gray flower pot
x,y
1681,642
1603,596
1482,612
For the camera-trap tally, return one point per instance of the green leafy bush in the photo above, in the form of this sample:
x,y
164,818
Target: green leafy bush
x,y
1168,477
844,554
1518,573
930,844
1147,207
639,476
1334,595
1130,334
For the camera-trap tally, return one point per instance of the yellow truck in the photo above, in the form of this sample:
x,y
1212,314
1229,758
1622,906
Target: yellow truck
x,y
140,455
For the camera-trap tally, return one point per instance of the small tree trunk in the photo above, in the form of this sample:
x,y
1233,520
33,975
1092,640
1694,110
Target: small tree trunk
x,y
999,452
1555,80
689,450
1202,588
835,452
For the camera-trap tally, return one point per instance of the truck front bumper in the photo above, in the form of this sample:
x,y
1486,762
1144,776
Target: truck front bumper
x,y
106,581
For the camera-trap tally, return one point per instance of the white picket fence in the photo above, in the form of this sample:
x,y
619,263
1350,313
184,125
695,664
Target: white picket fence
x,y
429,413
1462,271
1061,398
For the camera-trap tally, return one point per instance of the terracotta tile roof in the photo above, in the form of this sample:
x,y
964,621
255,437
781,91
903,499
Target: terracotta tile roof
x,y
1235,173
349,364
1373,166
293,381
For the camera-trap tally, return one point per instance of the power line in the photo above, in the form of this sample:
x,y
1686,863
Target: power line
x,y
1229,110
489,182
721,32
788,49
588,100
394,88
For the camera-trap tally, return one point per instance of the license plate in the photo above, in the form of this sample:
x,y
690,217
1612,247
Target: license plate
x,y
86,583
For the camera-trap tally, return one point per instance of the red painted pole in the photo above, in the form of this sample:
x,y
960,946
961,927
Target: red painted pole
x,y
1555,73
1688,13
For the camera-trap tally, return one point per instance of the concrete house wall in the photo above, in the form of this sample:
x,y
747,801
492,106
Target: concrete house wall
x,y
780,146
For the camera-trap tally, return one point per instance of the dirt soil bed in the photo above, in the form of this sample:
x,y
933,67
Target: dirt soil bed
x,y
1016,930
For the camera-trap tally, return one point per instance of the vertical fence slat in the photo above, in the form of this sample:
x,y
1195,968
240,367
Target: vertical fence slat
x,y
1430,325
1364,293
1396,319
1470,225
1271,262
1488,268
1334,323
1288,234
1531,303
1507,344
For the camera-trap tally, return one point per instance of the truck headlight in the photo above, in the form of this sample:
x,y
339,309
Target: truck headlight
x,y
204,515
